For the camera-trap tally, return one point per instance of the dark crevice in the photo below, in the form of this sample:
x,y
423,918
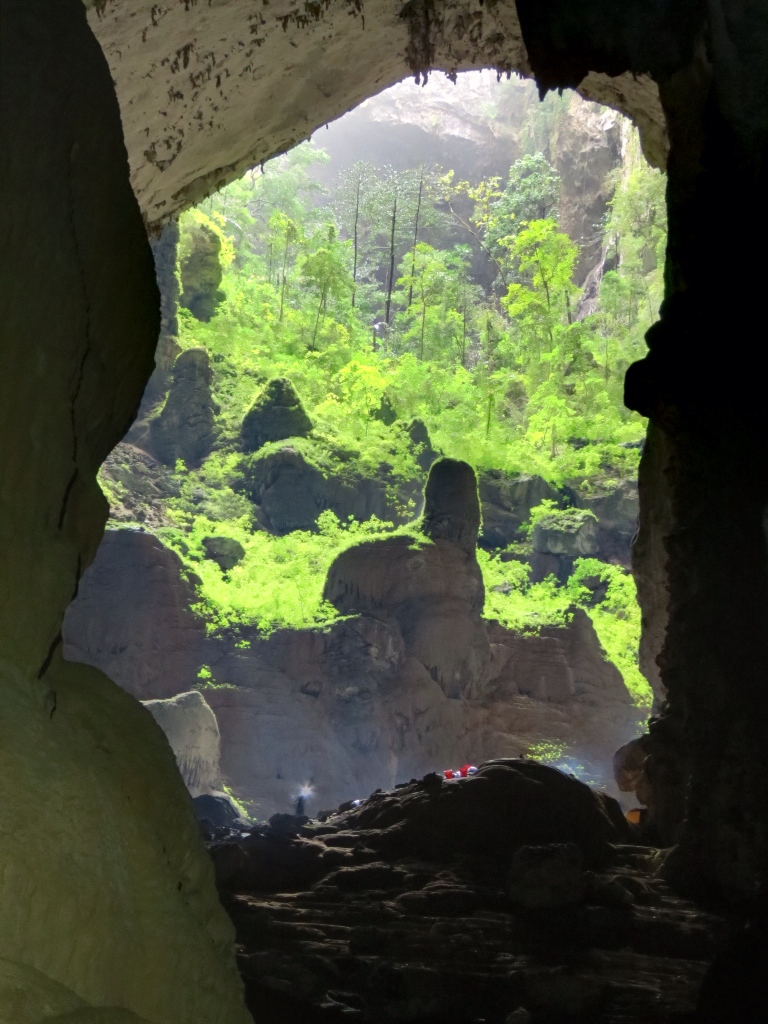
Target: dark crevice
x,y
49,656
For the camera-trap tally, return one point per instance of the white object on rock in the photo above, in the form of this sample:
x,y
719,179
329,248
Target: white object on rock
x,y
193,733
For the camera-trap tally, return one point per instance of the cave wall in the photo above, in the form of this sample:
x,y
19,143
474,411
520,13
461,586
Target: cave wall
x,y
208,90
205,90
106,894
701,384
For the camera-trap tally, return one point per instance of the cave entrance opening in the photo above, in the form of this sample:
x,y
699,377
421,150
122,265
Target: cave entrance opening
x,y
475,287
78,352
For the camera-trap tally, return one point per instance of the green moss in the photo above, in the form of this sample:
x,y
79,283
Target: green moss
x,y
548,516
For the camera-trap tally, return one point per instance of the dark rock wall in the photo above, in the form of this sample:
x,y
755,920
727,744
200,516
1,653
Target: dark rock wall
x,y
165,251
705,396
87,917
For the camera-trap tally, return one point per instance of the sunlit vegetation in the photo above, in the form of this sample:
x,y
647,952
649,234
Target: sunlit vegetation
x,y
402,295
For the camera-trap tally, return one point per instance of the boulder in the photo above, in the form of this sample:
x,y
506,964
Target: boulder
x,y
184,428
217,810
451,504
506,805
572,532
291,492
226,552
191,729
132,617
276,414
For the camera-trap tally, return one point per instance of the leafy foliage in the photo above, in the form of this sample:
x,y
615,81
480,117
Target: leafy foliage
x,y
344,296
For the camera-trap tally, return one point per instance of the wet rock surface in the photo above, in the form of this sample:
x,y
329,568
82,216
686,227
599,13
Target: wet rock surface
x,y
514,896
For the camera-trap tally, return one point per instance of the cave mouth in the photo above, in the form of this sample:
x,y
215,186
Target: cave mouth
x,y
314,312
125,880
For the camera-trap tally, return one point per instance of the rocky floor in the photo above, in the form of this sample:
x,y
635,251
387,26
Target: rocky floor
x,y
516,896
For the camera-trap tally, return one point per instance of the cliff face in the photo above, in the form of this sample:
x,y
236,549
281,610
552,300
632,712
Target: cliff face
x,y
190,76
410,680
479,127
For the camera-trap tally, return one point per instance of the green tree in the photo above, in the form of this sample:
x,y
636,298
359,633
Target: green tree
x,y
325,271
531,193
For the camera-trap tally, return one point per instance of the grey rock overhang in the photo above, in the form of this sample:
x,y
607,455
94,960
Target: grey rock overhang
x,y
210,88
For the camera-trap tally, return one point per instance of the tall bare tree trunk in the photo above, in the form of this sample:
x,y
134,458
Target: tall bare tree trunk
x,y
391,278
415,237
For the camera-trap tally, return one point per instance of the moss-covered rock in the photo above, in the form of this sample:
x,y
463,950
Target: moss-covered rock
x,y
184,428
226,552
201,270
276,415
291,488
567,531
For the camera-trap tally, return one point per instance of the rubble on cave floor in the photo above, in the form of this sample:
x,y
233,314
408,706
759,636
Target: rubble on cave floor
x,y
517,895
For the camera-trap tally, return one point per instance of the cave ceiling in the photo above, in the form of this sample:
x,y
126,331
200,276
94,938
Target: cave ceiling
x,y
210,88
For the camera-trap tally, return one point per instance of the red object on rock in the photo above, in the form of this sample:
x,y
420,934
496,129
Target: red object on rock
x,y
460,773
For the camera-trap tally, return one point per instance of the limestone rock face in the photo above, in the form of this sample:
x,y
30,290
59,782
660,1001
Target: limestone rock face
x,y
142,482
132,617
584,151
184,427
617,511
451,504
290,492
434,592
275,415
506,504
164,250
191,729
412,679
189,82
109,772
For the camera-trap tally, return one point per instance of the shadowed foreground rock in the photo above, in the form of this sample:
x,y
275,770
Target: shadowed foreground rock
x,y
513,891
